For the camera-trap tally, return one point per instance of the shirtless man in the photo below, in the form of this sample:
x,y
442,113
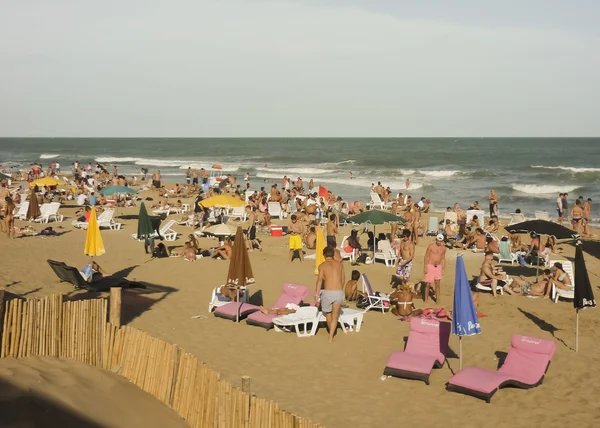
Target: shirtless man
x,y
331,231
587,208
493,203
195,176
487,273
435,266
295,230
576,216
311,239
404,261
411,224
523,287
331,275
480,240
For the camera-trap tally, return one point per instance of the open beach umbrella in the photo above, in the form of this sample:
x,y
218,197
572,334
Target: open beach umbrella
x,y
240,269
320,246
375,217
46,181
33,211
4,177
222,201
543,227
464,316
93,240
584,296
145,228
117,190
221,229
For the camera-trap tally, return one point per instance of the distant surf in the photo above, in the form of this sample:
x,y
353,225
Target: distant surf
x,y
543,189
568,168
48,156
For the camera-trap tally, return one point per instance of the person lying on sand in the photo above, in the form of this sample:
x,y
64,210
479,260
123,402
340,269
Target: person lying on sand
x,y
525,288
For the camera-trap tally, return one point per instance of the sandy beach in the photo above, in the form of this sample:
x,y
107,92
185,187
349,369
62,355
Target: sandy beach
x,y
337,385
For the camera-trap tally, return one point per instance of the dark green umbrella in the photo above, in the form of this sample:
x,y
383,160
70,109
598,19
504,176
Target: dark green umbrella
x,y
145,228
4,177
117,190
375,217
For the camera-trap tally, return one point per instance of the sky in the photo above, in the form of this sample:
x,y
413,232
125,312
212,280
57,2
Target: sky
x,y
299,68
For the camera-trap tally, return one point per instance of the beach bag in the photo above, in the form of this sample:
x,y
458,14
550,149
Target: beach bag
x,y
362,258
362,302
521,260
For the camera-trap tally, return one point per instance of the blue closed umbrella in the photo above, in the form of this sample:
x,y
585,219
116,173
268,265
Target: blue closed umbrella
x,y
464,315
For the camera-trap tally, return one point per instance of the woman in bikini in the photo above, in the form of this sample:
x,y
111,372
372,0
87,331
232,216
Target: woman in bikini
x,y
9,218
561,279
224,252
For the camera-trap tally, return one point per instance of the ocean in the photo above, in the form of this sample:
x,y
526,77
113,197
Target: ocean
x,y
527,173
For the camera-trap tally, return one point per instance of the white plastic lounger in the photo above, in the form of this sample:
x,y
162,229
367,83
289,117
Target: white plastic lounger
x,y
239,213
349,320
217,299
49,212
104,220
21,214
433,226
376,300
516,218
275,210
343,253
376,202
387,253
305,321
505,254
542,215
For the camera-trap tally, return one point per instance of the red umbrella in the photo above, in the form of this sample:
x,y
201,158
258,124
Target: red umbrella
x,y
323,192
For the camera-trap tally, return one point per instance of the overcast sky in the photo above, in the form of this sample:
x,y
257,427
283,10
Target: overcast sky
x,y
332,68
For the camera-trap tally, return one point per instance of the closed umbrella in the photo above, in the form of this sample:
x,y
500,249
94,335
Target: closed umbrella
x,y
240,270
145,228
93,240
320,246
34,207
584,296
464,316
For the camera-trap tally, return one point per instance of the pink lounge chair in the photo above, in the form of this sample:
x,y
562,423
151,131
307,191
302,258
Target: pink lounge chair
x,y
524,367
425,349
290,293
229,310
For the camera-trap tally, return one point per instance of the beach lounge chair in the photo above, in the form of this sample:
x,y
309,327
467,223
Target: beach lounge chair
x,y
290,293
343,253
168,233
505,254
217,299
72,275
385,252
305,322
558,293
516,218
230,310
376,300
450,216
349,319
275,210
542,215
433,226
104,220
49,212
487,286
239,213
376,202
525,367
21,213
425,349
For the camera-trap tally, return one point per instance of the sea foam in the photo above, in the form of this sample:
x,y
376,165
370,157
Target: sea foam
x,y
533,189
48,156
568,168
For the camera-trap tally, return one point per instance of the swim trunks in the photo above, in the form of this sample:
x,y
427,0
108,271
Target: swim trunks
x,y
295,242
331,241
404,271
434,273
329,298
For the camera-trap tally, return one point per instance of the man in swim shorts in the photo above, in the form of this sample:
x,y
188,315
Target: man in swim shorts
x,y
435,266
332,277
295,230
404,261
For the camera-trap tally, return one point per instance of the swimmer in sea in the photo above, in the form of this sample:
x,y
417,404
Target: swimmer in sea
x,y
350,175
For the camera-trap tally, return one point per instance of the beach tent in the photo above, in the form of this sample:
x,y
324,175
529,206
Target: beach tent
x,y
117,190
240,269
320,246
464,316
33,211
584,296
93,240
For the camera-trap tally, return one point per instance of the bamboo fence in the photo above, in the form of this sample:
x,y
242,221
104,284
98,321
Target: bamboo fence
x,y
78,330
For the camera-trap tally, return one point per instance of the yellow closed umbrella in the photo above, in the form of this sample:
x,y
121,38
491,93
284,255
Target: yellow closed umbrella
x,y
221,201
320,246
47,181
93,240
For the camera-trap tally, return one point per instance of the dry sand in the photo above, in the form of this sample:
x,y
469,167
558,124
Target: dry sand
x,y
338,384
49,392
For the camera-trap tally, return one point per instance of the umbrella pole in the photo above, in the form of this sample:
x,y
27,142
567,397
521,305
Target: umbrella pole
x,y
237,313
460,351
577,330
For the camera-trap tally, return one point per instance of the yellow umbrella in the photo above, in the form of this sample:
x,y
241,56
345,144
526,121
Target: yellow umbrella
x,y
320,246
47,181
221,201
93,240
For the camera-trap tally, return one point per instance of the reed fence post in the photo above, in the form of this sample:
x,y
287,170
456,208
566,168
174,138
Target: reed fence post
x,y
115,306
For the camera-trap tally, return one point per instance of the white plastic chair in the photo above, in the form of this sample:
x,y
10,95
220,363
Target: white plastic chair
x,y
344,254
385,252
556,292
299,321
275,210
21,213
516,218
542,215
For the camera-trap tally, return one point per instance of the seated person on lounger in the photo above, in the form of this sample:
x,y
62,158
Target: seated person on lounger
x,y
92,272
560,278
525,288
534,248
489,277
351,287
224,252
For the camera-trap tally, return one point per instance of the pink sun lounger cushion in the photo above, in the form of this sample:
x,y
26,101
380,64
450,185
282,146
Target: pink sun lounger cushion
x,y
290,293
524,367
426,348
